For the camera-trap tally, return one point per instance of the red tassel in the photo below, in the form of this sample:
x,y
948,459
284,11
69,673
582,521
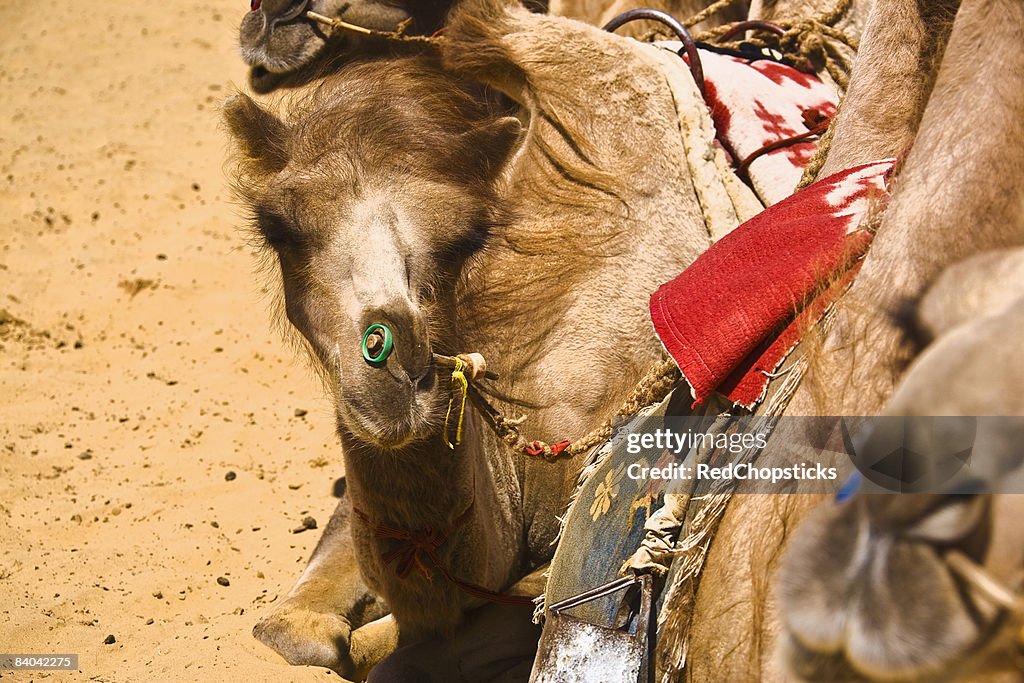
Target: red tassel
x,y
557,448
536,448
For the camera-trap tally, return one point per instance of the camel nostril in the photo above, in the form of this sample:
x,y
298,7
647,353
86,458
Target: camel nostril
x,y
254,5
374,343
378,342
296,8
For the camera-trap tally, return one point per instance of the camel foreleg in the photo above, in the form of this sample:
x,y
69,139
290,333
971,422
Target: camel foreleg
x,y
318,624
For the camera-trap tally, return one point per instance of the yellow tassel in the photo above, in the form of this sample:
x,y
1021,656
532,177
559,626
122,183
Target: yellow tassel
x,y
460,384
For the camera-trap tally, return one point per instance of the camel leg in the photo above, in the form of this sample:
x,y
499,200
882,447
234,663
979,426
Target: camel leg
x,y
314,625
496,643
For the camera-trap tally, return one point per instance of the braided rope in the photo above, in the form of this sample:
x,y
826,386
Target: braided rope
x,y
653,387
708,11
398,35
804,43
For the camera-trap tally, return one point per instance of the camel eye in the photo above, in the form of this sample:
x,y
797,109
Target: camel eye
x,y
277,232
461,247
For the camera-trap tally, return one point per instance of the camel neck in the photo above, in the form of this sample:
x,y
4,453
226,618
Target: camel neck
x,y
424,484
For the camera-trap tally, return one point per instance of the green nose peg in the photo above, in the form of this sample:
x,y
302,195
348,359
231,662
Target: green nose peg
x,y
378,343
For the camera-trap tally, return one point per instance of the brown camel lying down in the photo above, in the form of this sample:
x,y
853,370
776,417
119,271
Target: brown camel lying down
x,y
396,195
737,643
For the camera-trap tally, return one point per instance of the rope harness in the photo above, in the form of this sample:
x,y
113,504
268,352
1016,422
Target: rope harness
x,y
805,43
652,388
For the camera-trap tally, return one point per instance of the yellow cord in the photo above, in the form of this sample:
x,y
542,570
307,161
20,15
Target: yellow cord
x,y
460,384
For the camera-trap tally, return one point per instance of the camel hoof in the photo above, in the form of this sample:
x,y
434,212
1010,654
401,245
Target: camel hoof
x,y
307,638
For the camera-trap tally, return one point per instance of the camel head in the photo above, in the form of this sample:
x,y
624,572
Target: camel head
x,y
871,586
278,41
371,198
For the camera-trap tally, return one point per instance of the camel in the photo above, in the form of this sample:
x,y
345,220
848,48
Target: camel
x,y
283,48
723,645
523,245
835,601
937,193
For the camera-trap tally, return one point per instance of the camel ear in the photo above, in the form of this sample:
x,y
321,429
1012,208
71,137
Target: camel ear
x,y
493,144
259,134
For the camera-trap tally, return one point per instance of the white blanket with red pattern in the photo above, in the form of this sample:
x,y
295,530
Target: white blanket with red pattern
x,y
757,102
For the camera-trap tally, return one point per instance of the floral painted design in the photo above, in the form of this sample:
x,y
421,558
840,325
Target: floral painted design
x,y
606,492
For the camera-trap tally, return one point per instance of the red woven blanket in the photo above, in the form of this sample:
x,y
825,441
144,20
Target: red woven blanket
x,y
732,317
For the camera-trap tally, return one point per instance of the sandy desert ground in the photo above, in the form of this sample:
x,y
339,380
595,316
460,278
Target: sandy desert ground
x,y
138,362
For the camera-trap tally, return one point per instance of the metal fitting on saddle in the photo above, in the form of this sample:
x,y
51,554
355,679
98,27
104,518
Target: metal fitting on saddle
x,y
378,343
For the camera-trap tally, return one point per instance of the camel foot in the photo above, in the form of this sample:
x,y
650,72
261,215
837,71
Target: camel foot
x,y
305,637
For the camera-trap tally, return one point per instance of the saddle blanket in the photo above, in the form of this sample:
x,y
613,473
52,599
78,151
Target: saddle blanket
x,y
732,317
758,102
